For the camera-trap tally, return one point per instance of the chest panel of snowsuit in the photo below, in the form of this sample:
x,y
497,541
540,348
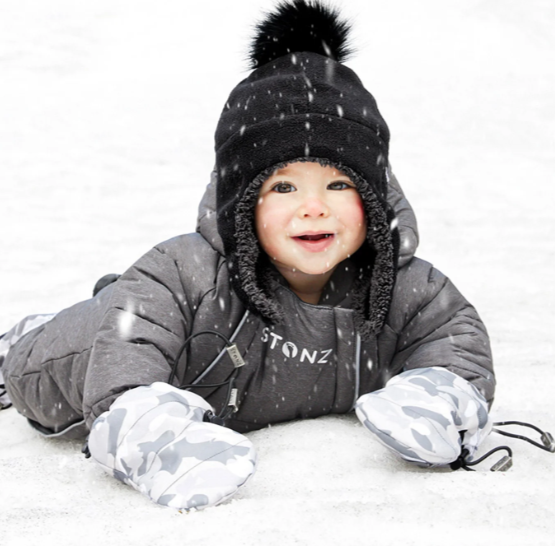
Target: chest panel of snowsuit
x,y
312,364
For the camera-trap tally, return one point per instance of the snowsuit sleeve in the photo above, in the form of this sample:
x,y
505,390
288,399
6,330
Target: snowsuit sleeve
x,y
436,326
142,331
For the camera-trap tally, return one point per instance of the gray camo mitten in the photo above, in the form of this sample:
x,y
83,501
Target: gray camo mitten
x,y
153,438
427,416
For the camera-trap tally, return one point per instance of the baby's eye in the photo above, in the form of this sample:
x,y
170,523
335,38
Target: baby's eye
x,y
339,185
284,187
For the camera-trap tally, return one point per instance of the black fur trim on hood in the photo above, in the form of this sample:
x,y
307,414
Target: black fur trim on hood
x,y
254,278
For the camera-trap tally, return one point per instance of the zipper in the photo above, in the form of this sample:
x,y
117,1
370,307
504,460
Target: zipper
x,y
357,372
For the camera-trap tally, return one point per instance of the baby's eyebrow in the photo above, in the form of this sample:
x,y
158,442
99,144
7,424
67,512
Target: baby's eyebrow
x,y
281,172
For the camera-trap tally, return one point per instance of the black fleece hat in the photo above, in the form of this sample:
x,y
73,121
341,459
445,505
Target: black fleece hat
x,y
302,104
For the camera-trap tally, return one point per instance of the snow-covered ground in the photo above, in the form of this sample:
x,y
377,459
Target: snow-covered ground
x,y
107,113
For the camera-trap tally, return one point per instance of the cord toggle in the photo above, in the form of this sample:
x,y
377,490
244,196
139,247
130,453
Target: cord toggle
x,y
235,356
547,441
233,400
503,464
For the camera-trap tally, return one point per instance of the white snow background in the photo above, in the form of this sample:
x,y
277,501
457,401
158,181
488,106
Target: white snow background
x,y
107,114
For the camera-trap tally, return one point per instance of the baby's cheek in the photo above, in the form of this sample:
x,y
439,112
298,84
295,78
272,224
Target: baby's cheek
x,y
352,212
359,208
267,236
359,215
357,225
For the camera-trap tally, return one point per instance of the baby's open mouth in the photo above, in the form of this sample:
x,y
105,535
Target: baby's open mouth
x,y
315,242
315,237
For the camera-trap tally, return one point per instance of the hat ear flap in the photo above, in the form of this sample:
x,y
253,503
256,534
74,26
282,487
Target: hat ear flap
x,y
393,223
250,271
374,287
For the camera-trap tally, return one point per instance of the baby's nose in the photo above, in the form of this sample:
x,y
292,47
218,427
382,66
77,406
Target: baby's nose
x,y
313,207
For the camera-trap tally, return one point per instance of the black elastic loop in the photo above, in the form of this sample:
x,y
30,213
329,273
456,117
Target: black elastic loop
x,y
503,464
185,345
547,439
467,464
506,462
521,423
210,417
227,410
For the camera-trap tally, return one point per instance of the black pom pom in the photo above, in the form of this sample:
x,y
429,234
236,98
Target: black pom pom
x,y
300,25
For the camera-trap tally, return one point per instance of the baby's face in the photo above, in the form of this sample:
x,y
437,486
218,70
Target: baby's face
x,y
309,218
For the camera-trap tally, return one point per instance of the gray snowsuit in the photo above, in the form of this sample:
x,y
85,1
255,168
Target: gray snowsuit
x,y
64,374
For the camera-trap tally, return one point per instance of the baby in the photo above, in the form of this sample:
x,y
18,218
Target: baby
x,y
297,297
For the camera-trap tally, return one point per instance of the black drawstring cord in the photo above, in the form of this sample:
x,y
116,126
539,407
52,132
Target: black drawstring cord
x,y
500,466
505,462
546,437
186,344
230,405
